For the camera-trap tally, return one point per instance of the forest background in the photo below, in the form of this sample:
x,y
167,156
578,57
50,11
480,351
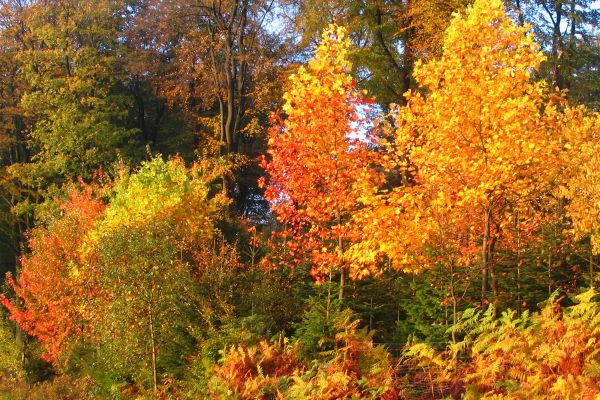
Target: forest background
x,y
299,199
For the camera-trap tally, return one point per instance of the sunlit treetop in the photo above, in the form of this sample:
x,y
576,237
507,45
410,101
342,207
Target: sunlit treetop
x,y
479,136
164,191
318,152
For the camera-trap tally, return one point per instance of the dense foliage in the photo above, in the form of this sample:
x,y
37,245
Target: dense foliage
x,y
414,213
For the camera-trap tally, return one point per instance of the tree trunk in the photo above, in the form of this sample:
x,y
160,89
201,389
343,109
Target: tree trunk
x,y
402,69
454,303
341,255
485,258
153,347
557,46
518,261
521,14
493,239
160,111
409,59
591,268
141,110
342,284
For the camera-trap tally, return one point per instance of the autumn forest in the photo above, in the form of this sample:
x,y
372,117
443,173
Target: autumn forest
x,y
299,199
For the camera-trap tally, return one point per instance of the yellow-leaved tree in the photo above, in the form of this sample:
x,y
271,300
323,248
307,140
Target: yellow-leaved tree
x,y
582,183
474,144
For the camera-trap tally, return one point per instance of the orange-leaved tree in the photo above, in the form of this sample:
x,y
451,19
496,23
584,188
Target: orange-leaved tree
x,y
317,153
58,285
478,143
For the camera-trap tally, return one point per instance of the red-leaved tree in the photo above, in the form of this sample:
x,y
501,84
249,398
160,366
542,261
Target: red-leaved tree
x,y
55,287
318,154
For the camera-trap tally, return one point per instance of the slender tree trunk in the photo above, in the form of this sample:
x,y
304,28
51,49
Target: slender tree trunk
x,y
160,111
371,314
491,264
591,268
141,110
153,349
485,257
552,245
518,261
557,46
342,284
549,271
328,299
454,303
402,69
520,12
342,272
568,58
409,61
